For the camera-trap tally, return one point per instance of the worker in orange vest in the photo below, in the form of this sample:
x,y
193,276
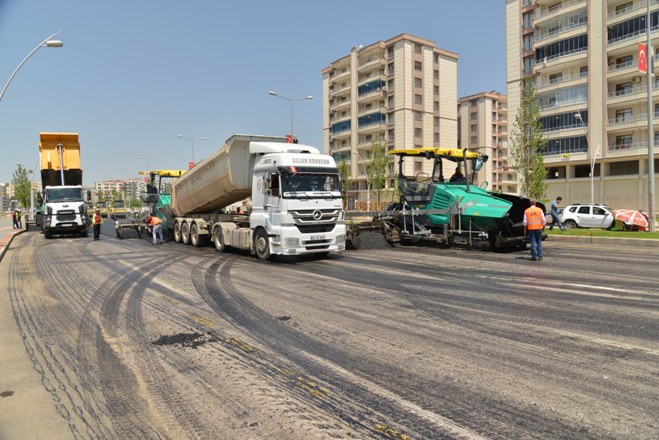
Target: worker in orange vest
x,y
534,223
156,227
97,221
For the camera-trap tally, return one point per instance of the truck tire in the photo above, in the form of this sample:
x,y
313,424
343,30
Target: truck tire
x,y
196,239
262,245
47,234
218,240
177,232
185,233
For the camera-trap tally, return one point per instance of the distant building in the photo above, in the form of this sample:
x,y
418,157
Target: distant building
x,y
584,58
401,92
483,126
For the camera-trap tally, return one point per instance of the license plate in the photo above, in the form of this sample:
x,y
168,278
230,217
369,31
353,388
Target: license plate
x,y
318,237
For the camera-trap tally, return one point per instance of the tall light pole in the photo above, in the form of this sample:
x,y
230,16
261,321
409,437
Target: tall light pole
x,y
650,72
192,141
290,101
48,42
578,117
147,161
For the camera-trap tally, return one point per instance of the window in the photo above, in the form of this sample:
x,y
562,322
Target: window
x,y
623,142
623,168
473,127
390,69
583,71
555,78
418,116
621,9
435,74
417,48
418,132
390,103
527,20
436,138
473,116
418,66
625,61
623,88
624,115
528,64
554,7
436,105
528,41
436,122
436,90
473,140
418,99
656,110
418,82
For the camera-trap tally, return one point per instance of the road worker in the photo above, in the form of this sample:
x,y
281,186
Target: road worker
x,y
97,221
534,223
156,228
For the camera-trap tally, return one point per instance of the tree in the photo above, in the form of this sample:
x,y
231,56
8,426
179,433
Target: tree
x,y
344,177
22,187
376,170
528,143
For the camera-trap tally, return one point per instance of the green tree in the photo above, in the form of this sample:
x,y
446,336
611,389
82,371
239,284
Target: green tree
x,y
344,177
376,170
22,187
528,143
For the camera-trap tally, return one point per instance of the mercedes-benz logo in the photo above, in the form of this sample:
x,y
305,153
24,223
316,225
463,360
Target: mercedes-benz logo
x,y
317,215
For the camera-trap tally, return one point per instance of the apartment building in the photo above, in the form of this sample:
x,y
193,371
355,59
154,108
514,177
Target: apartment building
x,y
129,189
483,126
401,92
583,55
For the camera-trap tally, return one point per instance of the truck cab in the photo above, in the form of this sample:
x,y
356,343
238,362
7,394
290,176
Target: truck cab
x,y
65,211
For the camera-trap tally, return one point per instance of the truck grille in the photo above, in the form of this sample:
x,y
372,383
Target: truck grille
x,y
315,220
66,216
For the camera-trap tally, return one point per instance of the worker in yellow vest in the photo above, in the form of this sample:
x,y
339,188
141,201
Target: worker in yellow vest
x,y
534,223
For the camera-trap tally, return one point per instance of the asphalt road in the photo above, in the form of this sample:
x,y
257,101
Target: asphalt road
x,y
122,339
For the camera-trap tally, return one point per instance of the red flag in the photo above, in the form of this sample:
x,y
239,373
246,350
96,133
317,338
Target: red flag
x,y
642,58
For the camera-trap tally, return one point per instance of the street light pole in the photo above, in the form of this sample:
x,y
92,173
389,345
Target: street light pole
x,y
649,72
578,117
290,101
192,141
147,161
48,42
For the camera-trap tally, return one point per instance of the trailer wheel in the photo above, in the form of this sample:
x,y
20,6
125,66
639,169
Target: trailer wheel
x,y
262,245
218,239
185,233
177,232
196,239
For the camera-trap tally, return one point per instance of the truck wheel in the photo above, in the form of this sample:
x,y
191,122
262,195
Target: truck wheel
x,y
185,233
262,245
177,232
218,240
196,239
48,234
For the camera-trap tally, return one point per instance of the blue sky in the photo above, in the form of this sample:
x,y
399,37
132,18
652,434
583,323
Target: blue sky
x,y
133,74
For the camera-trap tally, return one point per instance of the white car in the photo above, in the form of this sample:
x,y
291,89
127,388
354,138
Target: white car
x,y
587,216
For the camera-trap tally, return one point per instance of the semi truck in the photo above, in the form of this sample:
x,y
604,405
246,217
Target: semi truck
x,y
63,210
294,208
448,211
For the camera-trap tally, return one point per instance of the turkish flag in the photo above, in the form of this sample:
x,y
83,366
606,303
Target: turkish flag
x,y
642,58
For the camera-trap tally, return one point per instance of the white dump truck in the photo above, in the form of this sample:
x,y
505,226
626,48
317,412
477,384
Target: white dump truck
x,y
296,205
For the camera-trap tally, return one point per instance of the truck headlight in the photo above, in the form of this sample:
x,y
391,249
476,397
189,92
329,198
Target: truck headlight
x,y
341,238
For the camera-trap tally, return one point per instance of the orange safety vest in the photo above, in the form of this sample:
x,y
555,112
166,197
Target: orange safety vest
x,y
155,221
534,217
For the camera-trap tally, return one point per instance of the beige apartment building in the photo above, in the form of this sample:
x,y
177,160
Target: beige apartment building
x,y
483,126
583,55
401,92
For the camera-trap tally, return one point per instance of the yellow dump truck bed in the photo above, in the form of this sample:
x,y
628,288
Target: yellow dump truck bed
x,y
52,164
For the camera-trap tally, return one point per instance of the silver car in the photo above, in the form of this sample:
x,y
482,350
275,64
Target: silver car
x,y
587,216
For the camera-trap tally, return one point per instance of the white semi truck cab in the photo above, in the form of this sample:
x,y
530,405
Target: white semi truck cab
x,y
64,211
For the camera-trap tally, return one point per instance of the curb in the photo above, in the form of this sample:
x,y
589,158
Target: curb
x,y
5,246
640,242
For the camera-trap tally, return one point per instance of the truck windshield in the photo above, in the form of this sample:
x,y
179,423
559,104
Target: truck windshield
x,y
63,195
119,204
310,185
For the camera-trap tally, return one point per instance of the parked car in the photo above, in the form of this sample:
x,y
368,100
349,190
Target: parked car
x,y
587,216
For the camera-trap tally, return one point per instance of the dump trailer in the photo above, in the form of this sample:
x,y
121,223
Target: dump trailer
x,y
450,211
63,210
295,204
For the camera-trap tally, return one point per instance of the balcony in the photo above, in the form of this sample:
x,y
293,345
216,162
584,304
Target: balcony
x,y
633,94
345,134
563,105
371,62
374,95
343,104
561,58
542,14
619,15
372,127
341,75
563,80
558,32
